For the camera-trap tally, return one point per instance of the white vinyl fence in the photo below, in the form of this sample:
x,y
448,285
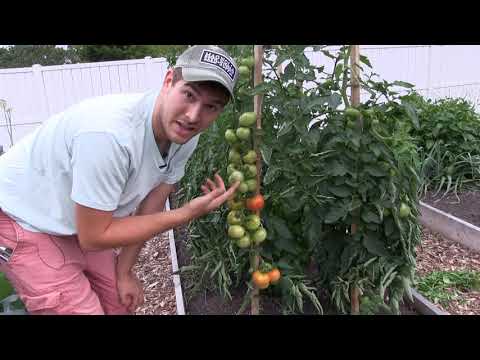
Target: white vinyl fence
x,y
37,92
436,71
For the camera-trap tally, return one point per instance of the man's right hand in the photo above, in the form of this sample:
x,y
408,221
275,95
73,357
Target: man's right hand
x,y
215,196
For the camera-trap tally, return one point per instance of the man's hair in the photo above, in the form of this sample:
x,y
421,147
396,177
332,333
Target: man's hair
x,y
213,85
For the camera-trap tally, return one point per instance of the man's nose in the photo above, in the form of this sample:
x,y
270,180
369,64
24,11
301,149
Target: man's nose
x,y
194,113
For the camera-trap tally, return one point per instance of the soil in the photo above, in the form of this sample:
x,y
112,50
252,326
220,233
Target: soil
x,y
465,207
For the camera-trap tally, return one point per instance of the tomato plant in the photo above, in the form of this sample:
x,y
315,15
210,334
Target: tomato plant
x,y
447,139
323,170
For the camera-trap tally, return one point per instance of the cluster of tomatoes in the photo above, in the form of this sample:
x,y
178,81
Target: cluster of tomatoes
x,y
244,223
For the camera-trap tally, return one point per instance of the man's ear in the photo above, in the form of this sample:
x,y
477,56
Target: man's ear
x,y
167,82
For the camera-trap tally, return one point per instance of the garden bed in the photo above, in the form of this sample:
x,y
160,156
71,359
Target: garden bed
x,y
205,302
437,254
154,269
465,207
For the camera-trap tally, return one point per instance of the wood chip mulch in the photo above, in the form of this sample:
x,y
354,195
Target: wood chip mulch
x,y
154,270
439,254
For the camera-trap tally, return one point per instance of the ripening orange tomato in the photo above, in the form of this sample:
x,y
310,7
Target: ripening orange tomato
x,y
274,276
255,203
261,280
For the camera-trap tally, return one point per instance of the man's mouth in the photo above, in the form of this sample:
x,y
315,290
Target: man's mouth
x,y
184,128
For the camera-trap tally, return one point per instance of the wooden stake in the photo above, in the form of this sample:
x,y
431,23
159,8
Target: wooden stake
x,y
257,108
355,102
354,64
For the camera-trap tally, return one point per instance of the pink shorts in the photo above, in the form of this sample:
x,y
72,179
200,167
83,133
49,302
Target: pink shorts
x,y
52,275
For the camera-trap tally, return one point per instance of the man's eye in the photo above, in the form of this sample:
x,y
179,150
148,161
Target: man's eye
x,y
188,94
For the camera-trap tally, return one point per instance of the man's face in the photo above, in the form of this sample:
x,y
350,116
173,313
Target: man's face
x,y
188,109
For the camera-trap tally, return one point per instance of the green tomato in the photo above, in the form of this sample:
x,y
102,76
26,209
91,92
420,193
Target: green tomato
x,y
404,210
241,91
250,171
352,113
351,124
230,136
243,70
252,184
328,83
259,236
230,169
247,119
235,204
243,242
239,146
234,156
250,157
234,217
243,187
235,176
385,166
236,231
248,62
252,222
243,133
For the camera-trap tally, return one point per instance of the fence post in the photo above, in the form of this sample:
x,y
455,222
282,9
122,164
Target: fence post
x,y
39,87
429,70
149,75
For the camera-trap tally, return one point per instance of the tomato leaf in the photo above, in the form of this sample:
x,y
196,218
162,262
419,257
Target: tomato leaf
x,y
289,72
365,60
285,128
261,89
340,191
266,152
334,214
374,245
370,217
338,169
412,114
389,225
374,171
284,239
403,84
334,101
271,174
327,53
317,101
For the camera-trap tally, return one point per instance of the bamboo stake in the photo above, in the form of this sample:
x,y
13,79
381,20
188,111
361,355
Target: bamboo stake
x,y
257,108
355,102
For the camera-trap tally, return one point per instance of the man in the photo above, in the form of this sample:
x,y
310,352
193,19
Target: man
x,y
67,189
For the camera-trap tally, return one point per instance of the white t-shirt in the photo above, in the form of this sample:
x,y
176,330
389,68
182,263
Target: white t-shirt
x,y
100,153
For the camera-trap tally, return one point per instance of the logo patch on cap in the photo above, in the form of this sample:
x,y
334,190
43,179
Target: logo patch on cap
x,y
220,61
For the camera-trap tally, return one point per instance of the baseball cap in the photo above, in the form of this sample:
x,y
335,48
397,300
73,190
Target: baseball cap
x,y
208,63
